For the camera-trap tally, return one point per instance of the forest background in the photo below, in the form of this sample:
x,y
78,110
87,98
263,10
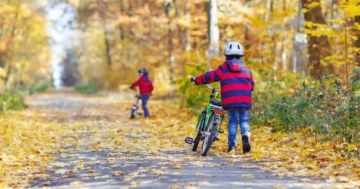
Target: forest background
x,y
305,55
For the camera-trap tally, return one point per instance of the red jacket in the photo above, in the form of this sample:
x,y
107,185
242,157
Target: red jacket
x,y
145,85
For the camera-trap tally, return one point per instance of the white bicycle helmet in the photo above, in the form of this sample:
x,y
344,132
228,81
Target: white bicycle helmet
x,y
233,48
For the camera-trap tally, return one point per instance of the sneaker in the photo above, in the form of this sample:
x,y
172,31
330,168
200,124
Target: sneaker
x,y
231,151
246,142
216,138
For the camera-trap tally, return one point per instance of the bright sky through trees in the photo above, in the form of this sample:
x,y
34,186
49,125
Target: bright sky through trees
x,y
62,16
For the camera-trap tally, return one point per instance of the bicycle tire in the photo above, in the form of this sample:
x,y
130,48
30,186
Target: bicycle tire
x,y
207,142
196,142
132,114
198,136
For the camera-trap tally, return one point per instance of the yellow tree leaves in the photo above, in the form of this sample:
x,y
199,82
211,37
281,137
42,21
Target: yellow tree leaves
x,y
318,30
351,7
23,44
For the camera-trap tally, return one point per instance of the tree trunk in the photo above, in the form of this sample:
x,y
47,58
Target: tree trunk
x,y
283,42
121,28
248,36
213,29
299,43
357,42
318,47
131,14
107,46
9,64
187,30
106,40
168,6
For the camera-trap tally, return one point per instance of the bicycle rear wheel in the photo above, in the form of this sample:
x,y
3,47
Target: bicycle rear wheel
x,y
210,135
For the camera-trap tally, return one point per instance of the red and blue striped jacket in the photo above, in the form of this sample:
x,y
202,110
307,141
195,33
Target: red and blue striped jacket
x,y
236,82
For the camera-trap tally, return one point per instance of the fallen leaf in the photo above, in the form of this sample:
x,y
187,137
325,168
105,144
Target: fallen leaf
x,y
61,171
75,183
176,166
305,180
247,176
117,173
175,187
191,184
135,183
343,179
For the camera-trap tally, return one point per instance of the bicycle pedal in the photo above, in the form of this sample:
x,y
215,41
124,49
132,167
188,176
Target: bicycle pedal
x,y
189,140
221,131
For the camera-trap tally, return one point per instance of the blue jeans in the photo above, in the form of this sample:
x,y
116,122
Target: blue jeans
x,y
144,99
237,116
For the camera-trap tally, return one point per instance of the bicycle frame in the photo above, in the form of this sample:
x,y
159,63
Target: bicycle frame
x,y
135,107
207,112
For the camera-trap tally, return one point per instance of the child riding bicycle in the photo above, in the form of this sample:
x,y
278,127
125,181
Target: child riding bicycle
x,y
146,87
237,85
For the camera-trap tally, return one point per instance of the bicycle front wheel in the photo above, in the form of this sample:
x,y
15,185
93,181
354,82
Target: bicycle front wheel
x,y
132,113
199,134
210,134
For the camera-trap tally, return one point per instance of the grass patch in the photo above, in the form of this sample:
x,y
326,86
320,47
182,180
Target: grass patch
x,y
86,89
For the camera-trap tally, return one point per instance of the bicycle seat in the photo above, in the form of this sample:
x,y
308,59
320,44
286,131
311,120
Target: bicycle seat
x,y
216,103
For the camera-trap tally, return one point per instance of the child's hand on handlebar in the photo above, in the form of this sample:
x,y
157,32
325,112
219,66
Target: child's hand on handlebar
x,y
192,79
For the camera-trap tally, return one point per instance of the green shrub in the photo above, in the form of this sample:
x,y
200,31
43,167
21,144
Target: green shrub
x,y
193,96
40,86
87,89
325,107
11,101
355,80
322,106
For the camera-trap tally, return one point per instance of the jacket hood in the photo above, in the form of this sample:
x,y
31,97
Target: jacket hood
x,y
235,65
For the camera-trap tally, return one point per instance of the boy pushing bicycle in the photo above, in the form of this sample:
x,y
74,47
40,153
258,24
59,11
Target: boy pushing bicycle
x,y
237,85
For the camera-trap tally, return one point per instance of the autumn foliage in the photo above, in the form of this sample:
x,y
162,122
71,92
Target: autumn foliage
x,y
304,56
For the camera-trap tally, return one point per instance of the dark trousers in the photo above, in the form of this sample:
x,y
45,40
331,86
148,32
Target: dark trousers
x,y
144,99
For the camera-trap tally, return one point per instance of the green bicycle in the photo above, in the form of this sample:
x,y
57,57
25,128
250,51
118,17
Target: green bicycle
x,y
208,124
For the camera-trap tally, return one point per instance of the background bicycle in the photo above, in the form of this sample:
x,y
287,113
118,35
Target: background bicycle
x,y
135,107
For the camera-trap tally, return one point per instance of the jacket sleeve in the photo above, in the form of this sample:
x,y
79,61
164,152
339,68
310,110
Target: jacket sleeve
x,y
252,82
135,84
209,77
151,86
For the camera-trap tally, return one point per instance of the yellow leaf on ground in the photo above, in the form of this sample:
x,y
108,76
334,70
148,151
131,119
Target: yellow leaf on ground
x,y
305,180
343,179
175,187
176,166
247,176
117,173
75,183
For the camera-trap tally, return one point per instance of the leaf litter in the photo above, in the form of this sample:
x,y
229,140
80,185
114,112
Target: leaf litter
x,y
32,139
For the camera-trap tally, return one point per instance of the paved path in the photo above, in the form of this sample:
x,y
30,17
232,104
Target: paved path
x,y
115,167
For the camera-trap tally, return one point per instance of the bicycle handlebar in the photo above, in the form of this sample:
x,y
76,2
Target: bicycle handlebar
x,y
212,88
192,79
